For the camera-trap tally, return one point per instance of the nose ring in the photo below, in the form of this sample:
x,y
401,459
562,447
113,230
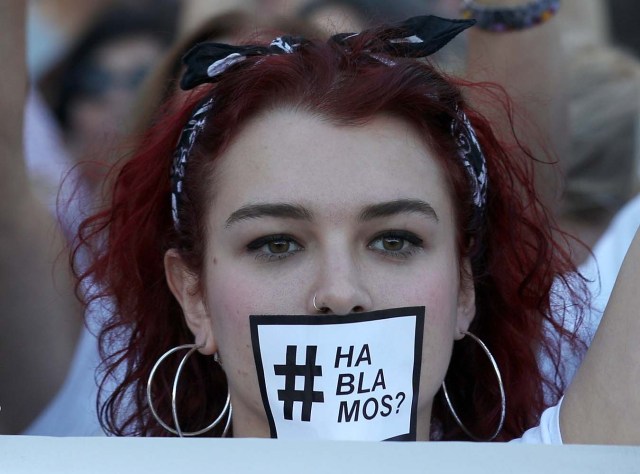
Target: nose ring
x,y
319,310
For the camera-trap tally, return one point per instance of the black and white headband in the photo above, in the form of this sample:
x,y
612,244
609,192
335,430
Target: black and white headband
x,y
416,37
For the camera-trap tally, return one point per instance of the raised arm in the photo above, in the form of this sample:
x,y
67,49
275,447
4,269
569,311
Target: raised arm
x,y
39,319
602,404
529,65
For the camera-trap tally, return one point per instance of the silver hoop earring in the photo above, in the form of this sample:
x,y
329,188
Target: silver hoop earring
x,y
503,398
322,309
226,411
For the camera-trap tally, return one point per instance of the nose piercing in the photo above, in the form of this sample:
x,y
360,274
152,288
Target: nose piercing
x,y
319,310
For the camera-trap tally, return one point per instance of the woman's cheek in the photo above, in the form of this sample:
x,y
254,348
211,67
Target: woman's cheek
x,y
230,301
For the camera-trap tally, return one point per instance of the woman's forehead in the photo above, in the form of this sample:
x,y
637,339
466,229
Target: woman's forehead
x,y
296,157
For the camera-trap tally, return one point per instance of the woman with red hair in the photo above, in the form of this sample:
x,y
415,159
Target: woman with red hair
x,y
336,179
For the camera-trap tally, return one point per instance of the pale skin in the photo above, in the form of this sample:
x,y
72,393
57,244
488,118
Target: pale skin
x,y
601,405
529,65
354,193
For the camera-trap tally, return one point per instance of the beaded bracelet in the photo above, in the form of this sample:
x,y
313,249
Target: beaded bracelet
x,y
498,19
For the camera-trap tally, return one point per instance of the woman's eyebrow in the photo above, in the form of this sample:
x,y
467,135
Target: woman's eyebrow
x,y
397,206
282,210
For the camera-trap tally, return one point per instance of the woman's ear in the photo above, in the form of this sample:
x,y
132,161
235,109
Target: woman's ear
x,y
185,286
466,299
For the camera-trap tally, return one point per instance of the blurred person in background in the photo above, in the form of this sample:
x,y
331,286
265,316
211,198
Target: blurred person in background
x,y
604,117
36,289
91,91
601,202
53,26
39,319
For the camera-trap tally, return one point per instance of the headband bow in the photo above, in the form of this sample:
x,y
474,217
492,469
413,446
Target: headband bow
x,y
206,62
416,37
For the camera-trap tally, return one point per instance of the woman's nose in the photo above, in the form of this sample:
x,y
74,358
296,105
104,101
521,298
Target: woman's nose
x,y
340,289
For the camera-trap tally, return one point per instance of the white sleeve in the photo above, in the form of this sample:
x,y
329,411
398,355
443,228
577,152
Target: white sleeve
x,y
547,432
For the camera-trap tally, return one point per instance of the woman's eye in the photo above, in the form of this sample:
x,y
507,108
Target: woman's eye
x,y
279,246
393,244
274,247
400,244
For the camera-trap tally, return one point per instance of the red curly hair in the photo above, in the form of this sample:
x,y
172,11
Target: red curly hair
x,y
515,258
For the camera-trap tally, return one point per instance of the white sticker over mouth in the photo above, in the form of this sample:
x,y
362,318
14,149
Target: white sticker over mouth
x,y
352,377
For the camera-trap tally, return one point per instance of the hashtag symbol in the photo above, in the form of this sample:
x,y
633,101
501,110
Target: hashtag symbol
x,y
307,396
